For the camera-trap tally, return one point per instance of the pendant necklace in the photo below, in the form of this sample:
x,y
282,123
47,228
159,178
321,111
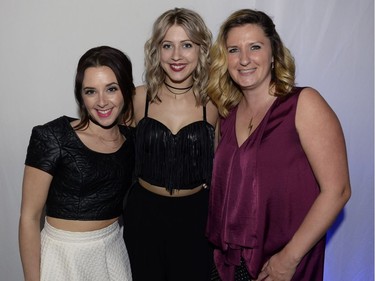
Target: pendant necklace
x,y
250,127
184,90
113,143
251,124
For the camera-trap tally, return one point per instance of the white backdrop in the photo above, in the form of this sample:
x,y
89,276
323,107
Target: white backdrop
x,y
332,41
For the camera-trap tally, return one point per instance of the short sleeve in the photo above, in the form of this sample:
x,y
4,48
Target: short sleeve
x,y
43,151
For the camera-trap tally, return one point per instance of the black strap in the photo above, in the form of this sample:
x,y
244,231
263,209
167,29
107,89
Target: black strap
x,y
146,105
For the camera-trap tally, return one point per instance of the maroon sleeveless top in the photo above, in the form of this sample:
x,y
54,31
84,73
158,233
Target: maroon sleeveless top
x,y
260,193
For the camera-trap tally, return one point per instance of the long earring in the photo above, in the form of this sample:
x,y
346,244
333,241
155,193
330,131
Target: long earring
x,y
272,65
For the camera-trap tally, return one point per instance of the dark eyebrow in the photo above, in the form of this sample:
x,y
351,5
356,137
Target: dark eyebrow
x,y
108,85
112,84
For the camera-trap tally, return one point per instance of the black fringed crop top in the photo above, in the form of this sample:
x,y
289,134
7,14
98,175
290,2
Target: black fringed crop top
x,y
86,185
180,161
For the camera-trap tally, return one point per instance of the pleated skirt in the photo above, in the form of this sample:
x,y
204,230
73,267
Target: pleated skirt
x,y
98,255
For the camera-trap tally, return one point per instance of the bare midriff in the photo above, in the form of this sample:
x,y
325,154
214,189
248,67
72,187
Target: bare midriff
x,y
79,226
175,193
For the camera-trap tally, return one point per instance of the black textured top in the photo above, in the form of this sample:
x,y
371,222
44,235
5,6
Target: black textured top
x,y
175,161
86,185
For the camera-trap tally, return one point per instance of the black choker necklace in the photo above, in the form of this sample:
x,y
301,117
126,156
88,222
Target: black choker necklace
x,y
170,87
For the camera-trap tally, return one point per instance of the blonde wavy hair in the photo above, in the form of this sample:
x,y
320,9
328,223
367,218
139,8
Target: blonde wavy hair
x,y
222,90
197,32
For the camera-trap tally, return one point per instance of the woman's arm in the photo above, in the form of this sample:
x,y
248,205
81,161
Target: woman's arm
x,y
34,194
323,142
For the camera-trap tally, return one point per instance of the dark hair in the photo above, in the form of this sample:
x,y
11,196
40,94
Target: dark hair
x,y
121,66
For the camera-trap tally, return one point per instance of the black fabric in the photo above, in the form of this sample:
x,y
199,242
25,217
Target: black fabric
x,y
240,274
175,161
86,185
165,245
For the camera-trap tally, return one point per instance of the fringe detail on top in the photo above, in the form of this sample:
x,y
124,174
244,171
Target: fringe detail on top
x,y
180,161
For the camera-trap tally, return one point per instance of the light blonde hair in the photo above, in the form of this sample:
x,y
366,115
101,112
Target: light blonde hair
x,y
197,32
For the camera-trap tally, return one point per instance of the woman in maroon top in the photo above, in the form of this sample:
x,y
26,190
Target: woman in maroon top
x,y
280,173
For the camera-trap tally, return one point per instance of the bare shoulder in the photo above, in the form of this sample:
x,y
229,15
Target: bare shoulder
x,y
314,116
309,95
313,107
212,113
140,89
140,93
139,101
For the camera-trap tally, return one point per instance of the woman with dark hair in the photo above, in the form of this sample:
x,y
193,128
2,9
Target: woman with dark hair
x,y
166,210
80,170
280,173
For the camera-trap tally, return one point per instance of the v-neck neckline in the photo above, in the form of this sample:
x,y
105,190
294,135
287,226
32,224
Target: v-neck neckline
x,y
256,130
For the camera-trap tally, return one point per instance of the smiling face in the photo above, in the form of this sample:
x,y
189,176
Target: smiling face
x,y
178,56
102,95
249,56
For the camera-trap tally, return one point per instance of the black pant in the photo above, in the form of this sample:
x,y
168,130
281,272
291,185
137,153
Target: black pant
x,y
165,236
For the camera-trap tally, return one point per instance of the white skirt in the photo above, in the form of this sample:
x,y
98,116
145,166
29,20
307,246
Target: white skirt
x,y
98,255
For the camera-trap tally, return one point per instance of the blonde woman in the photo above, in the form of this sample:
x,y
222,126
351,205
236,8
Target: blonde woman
x,y
166,211
280,173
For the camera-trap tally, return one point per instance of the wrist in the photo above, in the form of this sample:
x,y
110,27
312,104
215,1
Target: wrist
x,y
292,256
